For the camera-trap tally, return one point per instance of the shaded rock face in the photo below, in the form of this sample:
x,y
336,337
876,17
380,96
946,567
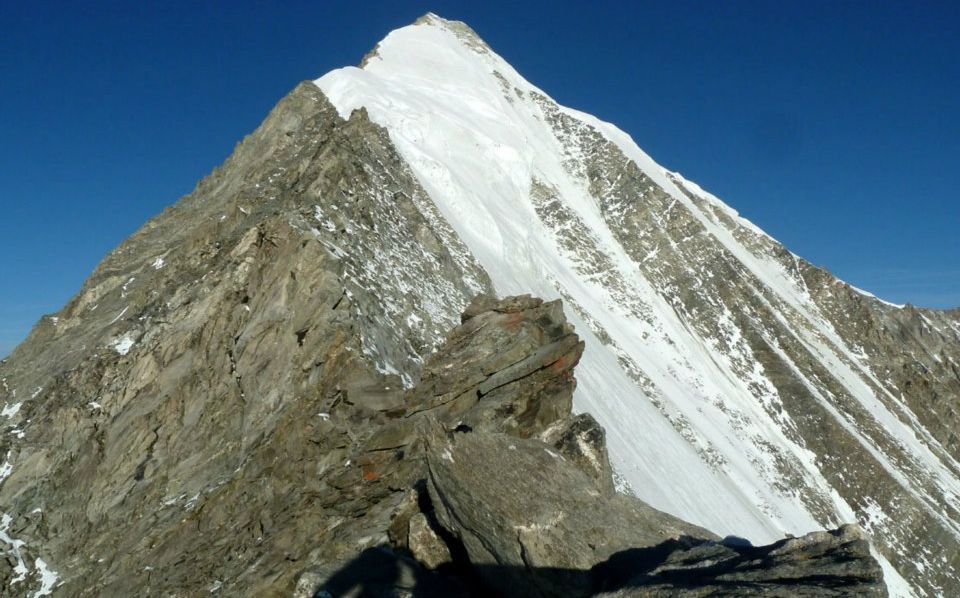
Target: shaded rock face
x,y
520,508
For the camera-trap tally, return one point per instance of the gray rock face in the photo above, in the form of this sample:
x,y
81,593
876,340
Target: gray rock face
x,y
534,524
508,366
526,513
582,441
187,422
427,547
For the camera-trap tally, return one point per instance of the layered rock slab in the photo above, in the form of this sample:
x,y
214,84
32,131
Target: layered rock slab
x,y
505,512
526,515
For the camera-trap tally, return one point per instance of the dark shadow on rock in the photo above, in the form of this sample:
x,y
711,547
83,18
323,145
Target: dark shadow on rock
x,y
670,568
382,572
736,541
623,568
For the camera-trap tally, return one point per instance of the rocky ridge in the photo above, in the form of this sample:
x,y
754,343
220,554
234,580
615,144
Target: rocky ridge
x,y
510,506
152,411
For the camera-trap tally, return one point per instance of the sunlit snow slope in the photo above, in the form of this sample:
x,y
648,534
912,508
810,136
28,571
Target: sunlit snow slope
x,y
715,359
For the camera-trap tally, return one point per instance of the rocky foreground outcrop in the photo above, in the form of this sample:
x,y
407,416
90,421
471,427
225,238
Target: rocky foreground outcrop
x,y
511,494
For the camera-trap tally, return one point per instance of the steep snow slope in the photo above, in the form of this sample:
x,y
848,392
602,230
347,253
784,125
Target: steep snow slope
x,y
726,391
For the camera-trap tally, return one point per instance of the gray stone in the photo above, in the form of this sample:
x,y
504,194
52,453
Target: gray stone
x,y
426,546
518,504
582,441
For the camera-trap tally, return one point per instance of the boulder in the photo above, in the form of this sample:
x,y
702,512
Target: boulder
x,y
424,543
532,522
508,367
583,442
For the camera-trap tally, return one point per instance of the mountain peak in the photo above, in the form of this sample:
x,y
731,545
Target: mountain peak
x,y
304,290
556,202
431,18
431,30
458,27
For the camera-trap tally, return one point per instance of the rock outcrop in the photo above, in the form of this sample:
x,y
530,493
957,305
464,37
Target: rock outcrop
x,y
514,503
834,563
531,522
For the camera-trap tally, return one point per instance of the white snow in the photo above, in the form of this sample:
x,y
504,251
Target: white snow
x,y
689,418
897,586
48,578
120,315
123,344
872,296
11,410
20,569
6,469
158,263
126,286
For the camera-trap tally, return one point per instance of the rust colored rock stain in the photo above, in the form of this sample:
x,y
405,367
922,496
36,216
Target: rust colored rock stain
x,y
514,321
370,474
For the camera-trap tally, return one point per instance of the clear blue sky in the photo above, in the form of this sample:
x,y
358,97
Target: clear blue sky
x,y
835,126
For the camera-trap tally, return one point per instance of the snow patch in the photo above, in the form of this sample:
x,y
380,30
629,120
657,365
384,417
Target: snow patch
x,y
872,296
48,578
120,315
6,469
123,344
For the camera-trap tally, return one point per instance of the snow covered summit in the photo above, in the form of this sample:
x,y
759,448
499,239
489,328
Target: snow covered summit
x,y
736,388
